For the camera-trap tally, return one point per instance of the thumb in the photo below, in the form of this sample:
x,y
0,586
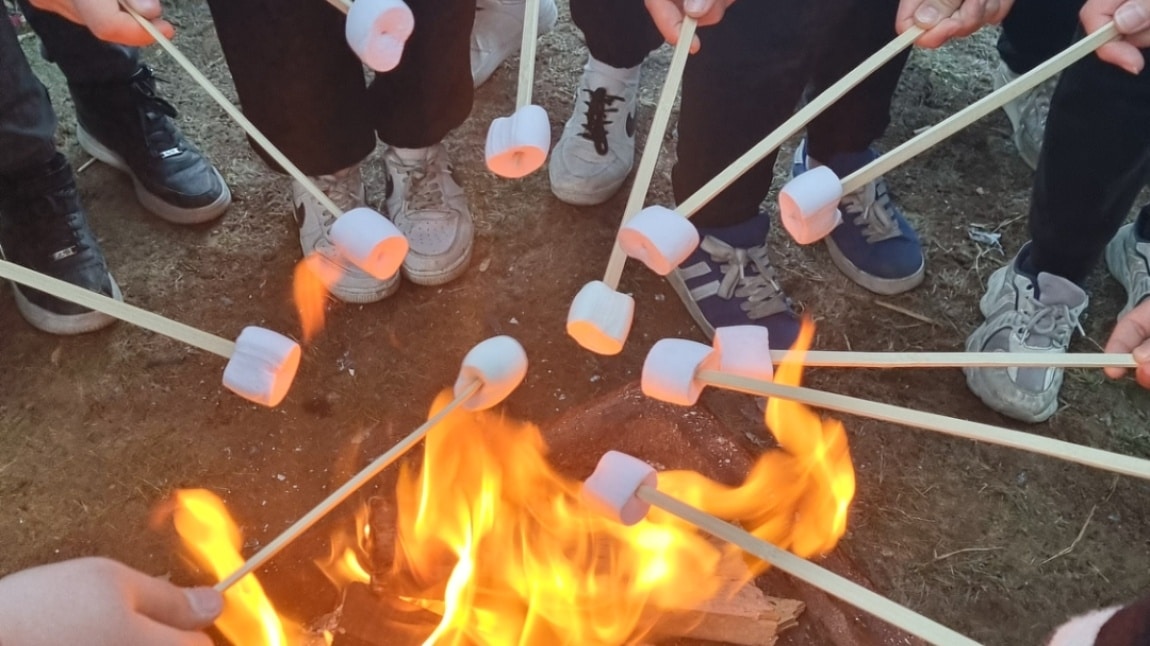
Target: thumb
x,y
931,12
697,8
184,609
1132,17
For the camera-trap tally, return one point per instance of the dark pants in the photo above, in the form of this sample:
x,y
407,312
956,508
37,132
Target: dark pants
x,y
1095,160
749,76
1036,30
304,88
27,122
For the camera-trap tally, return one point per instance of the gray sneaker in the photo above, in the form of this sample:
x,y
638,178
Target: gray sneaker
x,y
430,208
1027,114
345,188
1128,259
1018,320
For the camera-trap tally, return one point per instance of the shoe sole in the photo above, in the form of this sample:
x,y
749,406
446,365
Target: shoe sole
x,y
148,200
61,324
363,297
1117,266
884,286
441,276
588,198
684,293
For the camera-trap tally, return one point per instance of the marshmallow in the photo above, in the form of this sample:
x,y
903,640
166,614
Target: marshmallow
x,y
262,366
600,318
499,364
659,237
743,350
376,31
518,145
808,205
670,368
370,241
612,489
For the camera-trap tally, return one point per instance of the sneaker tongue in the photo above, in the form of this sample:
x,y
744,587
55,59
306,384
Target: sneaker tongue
x,y
1056,290
744,235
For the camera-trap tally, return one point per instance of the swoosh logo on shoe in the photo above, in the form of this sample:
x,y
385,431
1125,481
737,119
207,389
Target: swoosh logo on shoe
x,y
631,124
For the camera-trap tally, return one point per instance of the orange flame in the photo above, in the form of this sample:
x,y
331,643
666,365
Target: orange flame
x,y
797,496
314,277
212,538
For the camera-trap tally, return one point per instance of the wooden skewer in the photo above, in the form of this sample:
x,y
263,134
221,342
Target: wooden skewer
x,y
129,313
234,112
527,53
800,568
342,5
979,109
351,486
796,123
1085,455
654,144
839,359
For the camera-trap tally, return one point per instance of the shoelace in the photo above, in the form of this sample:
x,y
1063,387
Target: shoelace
x,y
873,207
761,289
155,110
60,235
424,186
1047,323
599,105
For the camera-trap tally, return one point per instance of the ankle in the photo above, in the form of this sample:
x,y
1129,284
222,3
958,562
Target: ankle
x,y
625,74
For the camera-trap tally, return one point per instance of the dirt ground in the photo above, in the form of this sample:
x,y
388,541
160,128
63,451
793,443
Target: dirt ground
x,y
96,431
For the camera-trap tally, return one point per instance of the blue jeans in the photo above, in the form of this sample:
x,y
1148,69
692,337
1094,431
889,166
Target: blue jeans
x,y
27,121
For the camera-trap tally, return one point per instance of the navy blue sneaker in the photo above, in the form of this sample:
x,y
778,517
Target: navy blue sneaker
x,y
874,246
729,280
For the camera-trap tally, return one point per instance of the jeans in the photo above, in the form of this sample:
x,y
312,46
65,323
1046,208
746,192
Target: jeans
x,y
27,122
304,88
1095,159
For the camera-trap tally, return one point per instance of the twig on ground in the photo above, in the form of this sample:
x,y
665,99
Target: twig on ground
x,y
940,557
1078,538
905,312
83,167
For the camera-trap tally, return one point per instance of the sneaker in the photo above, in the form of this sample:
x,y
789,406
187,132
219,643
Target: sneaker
x,y
1024,313
596,151
129,127
430,208
1128,259
345,188
44,227
1027,114
875,246
729,280
498,33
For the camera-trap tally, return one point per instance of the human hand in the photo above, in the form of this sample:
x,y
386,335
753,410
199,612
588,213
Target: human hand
x,y
1132,18
99,602
1132,334
108,21
668,16
946,19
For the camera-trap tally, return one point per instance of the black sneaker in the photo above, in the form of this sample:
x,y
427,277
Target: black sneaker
x,y
129,127
43,227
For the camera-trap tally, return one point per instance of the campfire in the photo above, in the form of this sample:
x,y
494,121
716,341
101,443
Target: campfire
x,y
500,548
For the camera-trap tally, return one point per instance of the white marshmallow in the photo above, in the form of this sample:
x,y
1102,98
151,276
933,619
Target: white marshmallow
x,y
262,366
659,238
670,368
376,31
808,205
499,364
743,350
600,318
518,145
611,490
370,241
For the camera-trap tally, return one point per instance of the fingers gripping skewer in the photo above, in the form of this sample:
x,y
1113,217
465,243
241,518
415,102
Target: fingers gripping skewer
x,y
808,204
624,488
661,238
363,236
261,363
490,372
518,145
677,370
376,30
600,317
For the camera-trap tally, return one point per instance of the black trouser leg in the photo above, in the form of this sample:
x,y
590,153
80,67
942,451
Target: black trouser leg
x,y
619,33
27,123
1095,160
83,58
1036,30
858,119
297,80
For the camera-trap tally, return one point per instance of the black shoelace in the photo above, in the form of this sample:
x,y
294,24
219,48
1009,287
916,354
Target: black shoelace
x,y
599,104
155,110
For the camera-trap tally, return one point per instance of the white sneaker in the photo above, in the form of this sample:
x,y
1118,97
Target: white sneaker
x,y
1027,114
430,208
498,33
345,188
1128,259
596,151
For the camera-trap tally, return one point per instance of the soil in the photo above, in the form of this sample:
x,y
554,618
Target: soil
x,y
96,431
